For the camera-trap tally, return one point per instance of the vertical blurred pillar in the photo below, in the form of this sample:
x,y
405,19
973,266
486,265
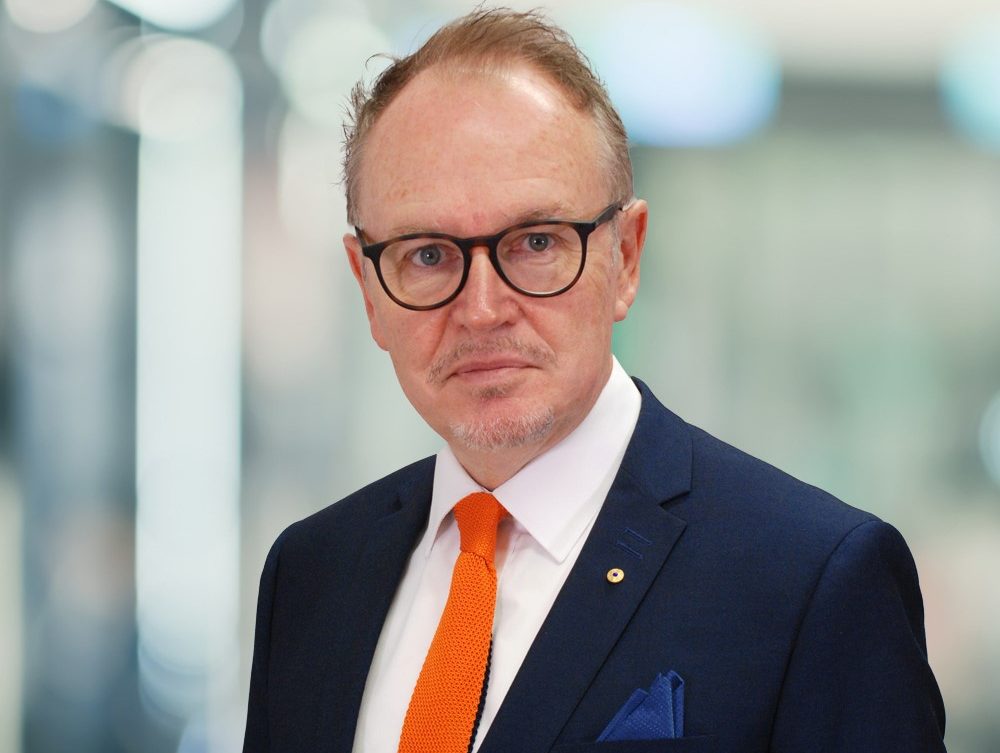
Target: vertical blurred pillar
x,y
10,503
66,237
11,648
188,108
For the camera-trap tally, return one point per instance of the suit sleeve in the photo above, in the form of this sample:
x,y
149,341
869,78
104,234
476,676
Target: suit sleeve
x,y
257,736
858,677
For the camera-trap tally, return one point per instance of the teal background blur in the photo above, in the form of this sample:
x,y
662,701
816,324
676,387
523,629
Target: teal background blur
x,y
185,365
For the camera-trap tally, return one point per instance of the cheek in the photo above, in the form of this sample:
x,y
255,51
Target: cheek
x,y
595,308
412,339
579,334
592,322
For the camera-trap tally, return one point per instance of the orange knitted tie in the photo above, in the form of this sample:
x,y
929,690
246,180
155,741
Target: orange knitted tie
x,y
445,704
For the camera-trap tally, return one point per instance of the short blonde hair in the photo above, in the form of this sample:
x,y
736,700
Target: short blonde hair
x,y
492,38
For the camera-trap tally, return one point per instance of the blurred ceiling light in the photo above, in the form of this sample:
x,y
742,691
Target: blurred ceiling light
x,y
281,19
176,15
970,84
684,78
319,56
176,89
48,16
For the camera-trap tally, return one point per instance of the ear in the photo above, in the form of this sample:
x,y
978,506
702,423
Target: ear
x,y
632,227
365,277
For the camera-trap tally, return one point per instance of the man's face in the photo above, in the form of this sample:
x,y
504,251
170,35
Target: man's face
x,y
470,154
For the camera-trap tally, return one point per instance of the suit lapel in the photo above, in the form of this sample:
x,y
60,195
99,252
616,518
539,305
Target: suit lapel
x,y
386,551
633,533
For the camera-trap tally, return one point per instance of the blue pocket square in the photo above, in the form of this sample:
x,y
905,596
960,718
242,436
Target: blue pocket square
x,y
656,714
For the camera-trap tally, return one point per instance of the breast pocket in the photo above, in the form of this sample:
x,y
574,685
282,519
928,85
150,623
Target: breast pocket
x,y
698,744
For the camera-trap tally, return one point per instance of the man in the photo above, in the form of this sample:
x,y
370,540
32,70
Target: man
x,y
621,550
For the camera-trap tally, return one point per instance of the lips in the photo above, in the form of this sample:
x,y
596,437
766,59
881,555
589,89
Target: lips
x,y
488,367
487,359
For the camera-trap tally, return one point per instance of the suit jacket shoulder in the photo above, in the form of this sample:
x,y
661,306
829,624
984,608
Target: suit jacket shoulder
x,y
772,513
331,526
325,590
794,618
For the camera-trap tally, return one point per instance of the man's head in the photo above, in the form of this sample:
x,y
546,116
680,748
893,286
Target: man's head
x,y
492,41
490,135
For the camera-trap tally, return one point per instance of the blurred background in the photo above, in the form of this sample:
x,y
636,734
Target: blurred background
x,y
185,367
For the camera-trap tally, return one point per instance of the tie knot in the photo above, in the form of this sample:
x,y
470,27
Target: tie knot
x,y
478,516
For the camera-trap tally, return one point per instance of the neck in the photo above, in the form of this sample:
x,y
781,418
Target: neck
x,y
491,468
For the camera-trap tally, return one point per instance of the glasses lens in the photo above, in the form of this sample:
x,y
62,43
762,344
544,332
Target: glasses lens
x,y
541,258
422,271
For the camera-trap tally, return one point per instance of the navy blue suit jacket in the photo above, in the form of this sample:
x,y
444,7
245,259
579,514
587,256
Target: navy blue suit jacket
x,y
795,620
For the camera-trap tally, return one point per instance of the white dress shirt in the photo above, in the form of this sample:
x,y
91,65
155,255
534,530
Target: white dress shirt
x,y
553,503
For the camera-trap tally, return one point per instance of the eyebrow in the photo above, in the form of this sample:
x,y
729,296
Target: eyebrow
x,y
553,211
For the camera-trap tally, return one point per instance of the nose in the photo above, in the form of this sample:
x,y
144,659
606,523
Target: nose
x,y
485,301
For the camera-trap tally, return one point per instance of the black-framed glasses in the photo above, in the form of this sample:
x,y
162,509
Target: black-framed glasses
x,y
539,258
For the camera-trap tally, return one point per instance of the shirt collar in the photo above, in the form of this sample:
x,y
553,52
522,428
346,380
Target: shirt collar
x,y
556,495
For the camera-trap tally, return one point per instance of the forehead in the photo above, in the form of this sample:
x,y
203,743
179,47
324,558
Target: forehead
x,y
466,151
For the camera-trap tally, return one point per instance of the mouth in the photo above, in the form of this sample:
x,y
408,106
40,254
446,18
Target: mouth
x,y
489,369
497,358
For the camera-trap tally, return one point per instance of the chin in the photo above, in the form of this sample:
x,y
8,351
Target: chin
x,y
501,430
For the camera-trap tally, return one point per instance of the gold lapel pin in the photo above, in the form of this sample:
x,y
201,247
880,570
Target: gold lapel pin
x,y
616,575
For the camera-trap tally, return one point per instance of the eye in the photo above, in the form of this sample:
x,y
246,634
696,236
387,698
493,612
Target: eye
x,y
428,256
538,241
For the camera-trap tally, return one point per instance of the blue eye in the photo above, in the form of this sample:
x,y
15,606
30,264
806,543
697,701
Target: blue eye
x,y
539,241
429,256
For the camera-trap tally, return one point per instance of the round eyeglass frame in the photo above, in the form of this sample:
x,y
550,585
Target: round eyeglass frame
x,y
373,251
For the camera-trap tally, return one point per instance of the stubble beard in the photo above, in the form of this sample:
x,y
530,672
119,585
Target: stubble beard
x,y
502,431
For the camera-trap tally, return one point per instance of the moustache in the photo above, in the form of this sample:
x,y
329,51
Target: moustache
x,y
503,344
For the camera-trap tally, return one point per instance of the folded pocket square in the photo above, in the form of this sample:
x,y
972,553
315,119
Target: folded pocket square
x,y
656,714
